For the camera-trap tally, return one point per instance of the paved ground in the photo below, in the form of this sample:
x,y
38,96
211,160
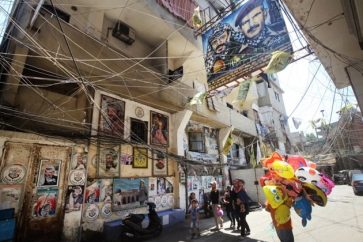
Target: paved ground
x,y
340,220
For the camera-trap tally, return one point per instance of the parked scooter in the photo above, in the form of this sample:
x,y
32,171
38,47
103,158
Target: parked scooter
x,y
132,229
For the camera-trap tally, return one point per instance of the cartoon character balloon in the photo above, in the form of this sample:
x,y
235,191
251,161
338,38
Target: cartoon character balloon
x,y
325,184
292,187
307,174
275,195
315,194
268,161
303,208
296,161
283,169
282,214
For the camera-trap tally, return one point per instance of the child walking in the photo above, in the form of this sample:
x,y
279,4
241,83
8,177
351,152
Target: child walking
x,y
220,216
194,224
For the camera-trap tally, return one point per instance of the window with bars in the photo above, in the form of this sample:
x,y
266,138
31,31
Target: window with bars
x,y
196,142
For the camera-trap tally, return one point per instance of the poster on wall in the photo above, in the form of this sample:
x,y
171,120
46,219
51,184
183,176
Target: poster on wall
x,y
161,192
93,191
79,161
106,191
108,165
164,185
10,196
152,186
112,116
159,129
45,202
243,41
49,172
130,193
74,198
160,163
126,154
13,174
140,156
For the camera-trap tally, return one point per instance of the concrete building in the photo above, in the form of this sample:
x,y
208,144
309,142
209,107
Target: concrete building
x,y
273,114
108,82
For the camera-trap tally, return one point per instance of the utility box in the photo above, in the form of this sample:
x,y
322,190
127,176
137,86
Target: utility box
x,y
7,224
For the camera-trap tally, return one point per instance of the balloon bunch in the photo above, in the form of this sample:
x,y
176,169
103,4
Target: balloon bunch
x,y
294,179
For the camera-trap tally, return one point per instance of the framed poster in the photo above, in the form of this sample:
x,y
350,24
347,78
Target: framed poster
x,y
93,191
49,173
74,198
112,116
140,157
79,161
45,202
109,165
160,163
159,129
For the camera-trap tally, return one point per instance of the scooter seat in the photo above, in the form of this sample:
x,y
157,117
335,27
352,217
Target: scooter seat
x,y
134,218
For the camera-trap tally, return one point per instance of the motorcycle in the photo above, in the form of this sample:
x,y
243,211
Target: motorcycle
x,y
132,229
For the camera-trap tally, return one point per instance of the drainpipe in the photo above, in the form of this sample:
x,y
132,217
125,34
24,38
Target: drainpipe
x,y
36,13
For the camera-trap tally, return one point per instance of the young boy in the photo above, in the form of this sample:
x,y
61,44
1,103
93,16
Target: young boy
x,y
194,224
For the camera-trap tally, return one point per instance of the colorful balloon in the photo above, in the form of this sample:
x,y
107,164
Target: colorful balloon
x,y
275,195
282,214
283,169
311,164
292,187
315,194
303,208
268,161
307,174
325,184
296,161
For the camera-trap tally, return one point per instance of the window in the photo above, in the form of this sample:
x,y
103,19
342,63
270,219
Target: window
x,y
196,142
277,96
235,152
139,131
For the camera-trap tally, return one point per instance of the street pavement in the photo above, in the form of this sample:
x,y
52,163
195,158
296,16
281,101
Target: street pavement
x,y
340,220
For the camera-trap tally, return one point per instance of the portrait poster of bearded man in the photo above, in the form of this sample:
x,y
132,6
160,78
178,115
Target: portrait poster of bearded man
x,y
223,44
263,28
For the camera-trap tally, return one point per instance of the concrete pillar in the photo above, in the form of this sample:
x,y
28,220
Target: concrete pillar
x,y
15,72
178,123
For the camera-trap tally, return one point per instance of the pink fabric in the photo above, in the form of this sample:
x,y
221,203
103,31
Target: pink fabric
x,y
181,8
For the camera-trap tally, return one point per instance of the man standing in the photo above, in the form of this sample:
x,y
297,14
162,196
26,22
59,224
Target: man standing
x,y
214,198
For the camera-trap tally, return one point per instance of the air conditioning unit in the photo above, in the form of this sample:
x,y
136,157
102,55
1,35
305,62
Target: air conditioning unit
x,y
124,33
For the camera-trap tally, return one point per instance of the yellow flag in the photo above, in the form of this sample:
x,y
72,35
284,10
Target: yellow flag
x,y
278,62
228,145
244,87
196,18
198,98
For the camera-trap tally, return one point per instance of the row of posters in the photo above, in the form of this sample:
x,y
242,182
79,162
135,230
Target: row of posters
x,y
106,196
110,159
112,121
109,195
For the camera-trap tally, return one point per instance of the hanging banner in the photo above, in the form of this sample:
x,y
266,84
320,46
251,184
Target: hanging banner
x,y
243,41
